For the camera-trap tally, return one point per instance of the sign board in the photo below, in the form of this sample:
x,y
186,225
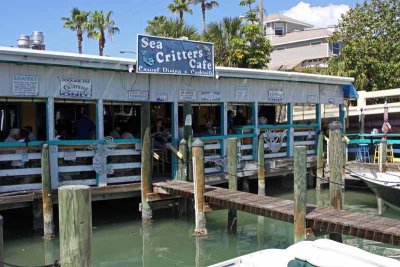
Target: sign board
x,y
241,93
162,97
210,96
187,95
138,95
174,56
276,96
75,88
25,85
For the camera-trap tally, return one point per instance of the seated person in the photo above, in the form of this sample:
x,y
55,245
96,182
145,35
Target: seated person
x,y
160,138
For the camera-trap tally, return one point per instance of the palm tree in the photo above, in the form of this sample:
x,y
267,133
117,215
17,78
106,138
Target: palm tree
x,y
206,5
181,7
261,13
98,25
222,34
173,28
77,22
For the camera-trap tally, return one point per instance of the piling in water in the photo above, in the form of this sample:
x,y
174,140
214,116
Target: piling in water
x,y
261,168
232,178
75,213
199,188
300,192
48,224
146,163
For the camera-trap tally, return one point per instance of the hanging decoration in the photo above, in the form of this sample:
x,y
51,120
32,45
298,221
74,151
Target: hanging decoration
x,y
102,149
274,140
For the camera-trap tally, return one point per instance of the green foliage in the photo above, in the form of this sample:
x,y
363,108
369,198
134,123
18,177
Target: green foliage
x,y
77,22
173,28
371,34
180,7
222,35
100,24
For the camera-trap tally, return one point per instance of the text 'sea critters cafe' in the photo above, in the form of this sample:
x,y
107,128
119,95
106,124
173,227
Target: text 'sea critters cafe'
x,y
162,55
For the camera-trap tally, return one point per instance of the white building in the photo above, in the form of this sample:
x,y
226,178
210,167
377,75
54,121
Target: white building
x,y
297,44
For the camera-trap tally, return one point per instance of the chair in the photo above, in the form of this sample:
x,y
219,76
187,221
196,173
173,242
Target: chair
x,y
389,154
363,153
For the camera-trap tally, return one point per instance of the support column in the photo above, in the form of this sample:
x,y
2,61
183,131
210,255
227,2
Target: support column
x,y
199,188
320,168
224,127
342,117
53,149
300,192
335,166
50,126
290,132
256,130
75,213
188,135
175,135
232,178
146,162
99,119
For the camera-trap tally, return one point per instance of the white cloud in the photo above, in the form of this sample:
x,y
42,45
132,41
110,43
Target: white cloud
x,y
319,16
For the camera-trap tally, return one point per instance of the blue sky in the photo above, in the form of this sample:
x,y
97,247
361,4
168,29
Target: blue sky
x,y
24,16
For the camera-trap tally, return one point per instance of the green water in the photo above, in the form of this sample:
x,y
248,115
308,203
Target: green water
x,y
120,240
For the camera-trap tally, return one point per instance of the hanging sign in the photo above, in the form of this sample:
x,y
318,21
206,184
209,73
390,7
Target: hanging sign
x,y
241,93
76,88
276,96
25,85
138,95
162,98
210,96
174,56
187,95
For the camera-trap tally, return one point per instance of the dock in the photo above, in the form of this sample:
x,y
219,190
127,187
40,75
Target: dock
x,y
355,224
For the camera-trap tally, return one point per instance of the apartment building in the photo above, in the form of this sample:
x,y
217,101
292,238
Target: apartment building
x,y
297,44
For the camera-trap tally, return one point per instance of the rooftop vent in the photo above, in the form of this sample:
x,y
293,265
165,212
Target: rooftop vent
x,y
35,41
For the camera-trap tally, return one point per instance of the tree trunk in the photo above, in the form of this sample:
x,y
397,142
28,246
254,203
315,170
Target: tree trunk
x,y
203,10
181,15
261,14
102,43
80,39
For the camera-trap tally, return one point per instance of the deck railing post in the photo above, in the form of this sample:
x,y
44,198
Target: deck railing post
x,y
335,168
146,163
199,188
232,178
48,224
300,192
320,168
75,213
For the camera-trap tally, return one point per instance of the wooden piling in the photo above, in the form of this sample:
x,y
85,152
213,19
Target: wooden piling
x,y
382,155
261,167
200,252
182,163
199,188
335,167
75,213
232,178
1,242
48,223
300,192
146,163
320,162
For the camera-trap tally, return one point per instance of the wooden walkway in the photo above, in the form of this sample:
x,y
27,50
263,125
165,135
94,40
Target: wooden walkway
x,y
360,225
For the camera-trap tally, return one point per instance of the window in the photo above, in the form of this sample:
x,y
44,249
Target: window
x,y
279,27
335,49
316,43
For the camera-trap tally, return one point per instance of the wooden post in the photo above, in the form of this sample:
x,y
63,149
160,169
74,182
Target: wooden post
x,y
50,251
199,188
146,162
382,155
232,178
182,163
146,236
300,192
320,160
1,242
200,252
261,167
48,224
75,213
187,134
335,167
37,215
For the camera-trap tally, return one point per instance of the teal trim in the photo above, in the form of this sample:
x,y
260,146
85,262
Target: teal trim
x,y
21,144
127,141
289,148
246,127
223,114
174,160
287,126
342,117
222,137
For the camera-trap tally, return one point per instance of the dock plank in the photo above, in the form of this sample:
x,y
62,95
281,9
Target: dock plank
x,y
361,225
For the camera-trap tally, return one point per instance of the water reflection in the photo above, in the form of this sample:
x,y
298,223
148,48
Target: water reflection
x,y
120,238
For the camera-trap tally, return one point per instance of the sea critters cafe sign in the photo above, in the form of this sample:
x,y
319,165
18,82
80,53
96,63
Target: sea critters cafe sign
x,y
174,56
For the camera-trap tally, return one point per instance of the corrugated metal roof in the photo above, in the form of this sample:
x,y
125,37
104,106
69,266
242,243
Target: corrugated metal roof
x,y
283,18
300,36
28,56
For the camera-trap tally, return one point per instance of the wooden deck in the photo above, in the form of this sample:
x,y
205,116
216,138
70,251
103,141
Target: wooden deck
x,y
355,224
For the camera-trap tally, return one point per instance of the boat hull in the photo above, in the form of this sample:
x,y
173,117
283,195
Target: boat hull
x,y
389,194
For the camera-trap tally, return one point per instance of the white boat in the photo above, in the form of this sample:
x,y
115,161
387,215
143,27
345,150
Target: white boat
x,y
321,253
